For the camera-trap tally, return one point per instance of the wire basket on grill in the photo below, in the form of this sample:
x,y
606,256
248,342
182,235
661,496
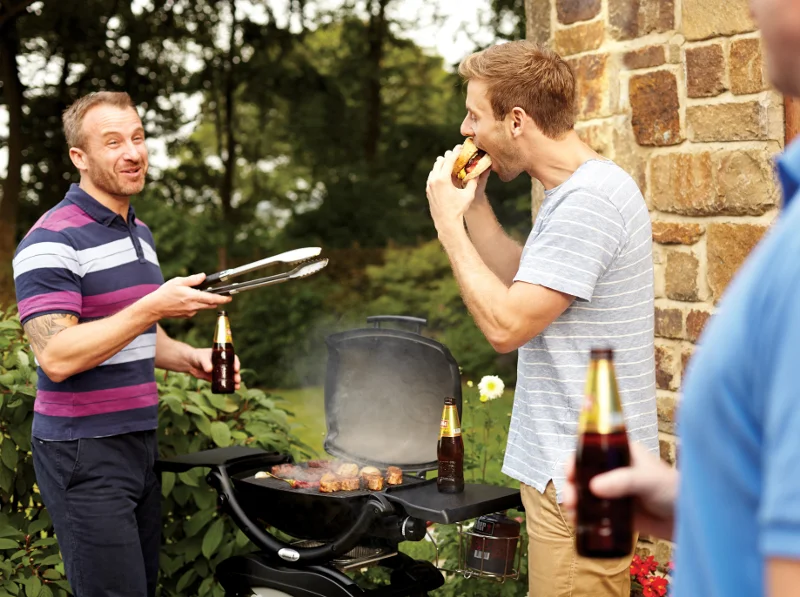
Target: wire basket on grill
x,y
489,548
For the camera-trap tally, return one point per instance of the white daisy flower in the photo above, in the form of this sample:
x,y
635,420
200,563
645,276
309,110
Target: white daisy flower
x,y
491,386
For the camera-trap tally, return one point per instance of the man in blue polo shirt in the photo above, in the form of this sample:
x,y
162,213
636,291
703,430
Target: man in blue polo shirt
x,y
90,294
737,511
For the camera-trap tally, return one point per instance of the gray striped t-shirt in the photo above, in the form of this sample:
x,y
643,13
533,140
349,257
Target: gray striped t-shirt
x,y
591,239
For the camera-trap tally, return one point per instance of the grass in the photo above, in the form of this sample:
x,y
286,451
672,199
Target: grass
x,y
308,420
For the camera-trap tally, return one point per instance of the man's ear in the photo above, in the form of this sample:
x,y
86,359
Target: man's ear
x,y
518,119
78,158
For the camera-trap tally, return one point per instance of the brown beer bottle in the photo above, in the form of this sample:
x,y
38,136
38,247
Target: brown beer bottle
x,y
450,451
604,528
222,357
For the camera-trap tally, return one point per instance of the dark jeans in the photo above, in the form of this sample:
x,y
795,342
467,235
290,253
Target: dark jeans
x,y
104,498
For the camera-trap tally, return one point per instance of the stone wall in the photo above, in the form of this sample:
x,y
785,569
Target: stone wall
x,y
674,92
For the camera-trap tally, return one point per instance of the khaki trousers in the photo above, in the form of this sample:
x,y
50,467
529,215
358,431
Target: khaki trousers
x,y
554,567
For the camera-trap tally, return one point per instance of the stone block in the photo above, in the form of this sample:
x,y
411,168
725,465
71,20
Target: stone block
x,y
646,57
686,357
745,181
538,20
705,71
629,19
703,19
593,85
655,109
741,121
695,322
683,183
681,276
572,11
668,450
676,233
665,406
579,38
665,368
599,137
668,323
728,245
746,66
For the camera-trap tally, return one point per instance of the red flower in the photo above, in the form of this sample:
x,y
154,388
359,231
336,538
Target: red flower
x,y
659,584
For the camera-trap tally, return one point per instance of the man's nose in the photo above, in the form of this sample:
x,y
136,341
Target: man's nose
x,y
133,151
466,127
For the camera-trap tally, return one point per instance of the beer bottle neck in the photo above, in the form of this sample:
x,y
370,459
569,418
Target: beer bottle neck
x,y
450,426
602,409
222,334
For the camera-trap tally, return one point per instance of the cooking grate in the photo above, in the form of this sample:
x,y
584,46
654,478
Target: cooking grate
x,y
358,557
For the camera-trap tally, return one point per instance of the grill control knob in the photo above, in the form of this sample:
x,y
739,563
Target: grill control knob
x,y
413,529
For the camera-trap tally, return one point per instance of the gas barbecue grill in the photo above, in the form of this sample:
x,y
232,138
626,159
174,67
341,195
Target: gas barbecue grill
x,y
384,393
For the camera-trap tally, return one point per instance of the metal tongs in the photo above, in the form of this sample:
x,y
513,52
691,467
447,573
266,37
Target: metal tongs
x,y
307,262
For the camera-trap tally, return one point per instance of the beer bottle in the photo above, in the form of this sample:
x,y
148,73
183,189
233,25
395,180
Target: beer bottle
x,y
222,357
604,528
450,451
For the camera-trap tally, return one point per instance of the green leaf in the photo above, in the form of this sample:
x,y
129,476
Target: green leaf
x,y
8,544
197,522
33,586
37,526
184,581
22,358
51,574
51,560
46,592
7,379
174,403
8,453
46,542
6,530
213,538
205,586
188,478
203,424
10,324
17,554
167,483
220,434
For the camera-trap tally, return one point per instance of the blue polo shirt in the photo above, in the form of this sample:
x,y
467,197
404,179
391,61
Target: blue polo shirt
x,y
739,421
82,258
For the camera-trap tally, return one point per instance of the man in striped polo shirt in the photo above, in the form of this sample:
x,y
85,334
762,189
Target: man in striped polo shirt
x,y
583,279
90,294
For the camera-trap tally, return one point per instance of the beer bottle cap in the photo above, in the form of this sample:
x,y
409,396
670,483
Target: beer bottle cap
x,y
602,353
222,313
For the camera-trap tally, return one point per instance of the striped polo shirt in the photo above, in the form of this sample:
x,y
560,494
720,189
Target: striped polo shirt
x,y
82,258
591,239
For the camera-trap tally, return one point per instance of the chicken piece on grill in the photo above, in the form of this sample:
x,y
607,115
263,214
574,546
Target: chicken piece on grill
x,y
347,470
394,475
323,464
351,484
369,470
284,470
329,483
374,482
306,484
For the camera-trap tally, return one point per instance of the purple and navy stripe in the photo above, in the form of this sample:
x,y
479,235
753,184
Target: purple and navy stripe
x,y
82,258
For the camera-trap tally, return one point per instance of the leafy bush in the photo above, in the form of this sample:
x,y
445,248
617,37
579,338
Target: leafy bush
x,y
191,418
29,560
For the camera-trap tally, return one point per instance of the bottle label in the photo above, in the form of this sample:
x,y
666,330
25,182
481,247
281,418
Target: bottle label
x,y
450,426
222,335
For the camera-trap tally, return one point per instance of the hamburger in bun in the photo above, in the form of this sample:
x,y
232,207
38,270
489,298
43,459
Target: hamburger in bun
x,y
471,162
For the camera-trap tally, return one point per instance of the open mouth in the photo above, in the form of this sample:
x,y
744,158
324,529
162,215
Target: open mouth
x,y
132,171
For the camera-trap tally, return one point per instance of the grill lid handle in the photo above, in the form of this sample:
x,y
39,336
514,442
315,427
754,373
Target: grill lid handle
x,y
418,322
376,507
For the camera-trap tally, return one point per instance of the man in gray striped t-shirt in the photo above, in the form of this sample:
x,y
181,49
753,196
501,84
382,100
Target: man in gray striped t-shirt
x,y
583,279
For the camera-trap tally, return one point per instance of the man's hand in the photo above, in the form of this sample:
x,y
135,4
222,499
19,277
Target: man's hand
x,y
448,202
176,298
651,481
199,360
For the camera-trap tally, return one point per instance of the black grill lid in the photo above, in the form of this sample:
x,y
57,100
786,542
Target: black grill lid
x,y
384,394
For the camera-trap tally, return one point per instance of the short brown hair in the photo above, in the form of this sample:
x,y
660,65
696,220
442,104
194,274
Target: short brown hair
x,y
527,75
74,114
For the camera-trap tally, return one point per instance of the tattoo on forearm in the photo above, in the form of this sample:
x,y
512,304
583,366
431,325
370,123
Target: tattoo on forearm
x,y
41,330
